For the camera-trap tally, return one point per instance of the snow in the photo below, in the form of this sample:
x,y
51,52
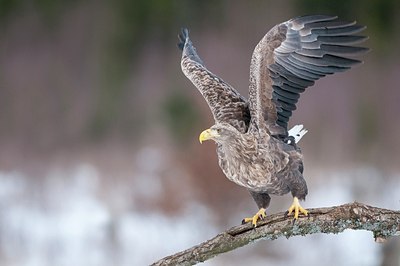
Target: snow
x,y
74,226
65,220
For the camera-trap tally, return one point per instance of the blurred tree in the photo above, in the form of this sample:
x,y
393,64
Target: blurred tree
x,y
181,117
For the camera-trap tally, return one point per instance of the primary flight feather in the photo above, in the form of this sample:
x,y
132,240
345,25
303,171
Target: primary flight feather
x,y
255,149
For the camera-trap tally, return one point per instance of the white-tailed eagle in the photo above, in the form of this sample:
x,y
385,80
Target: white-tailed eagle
x,y
254,146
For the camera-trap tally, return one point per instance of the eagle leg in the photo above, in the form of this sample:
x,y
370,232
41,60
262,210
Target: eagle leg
x,y
259,215
262,200
296,207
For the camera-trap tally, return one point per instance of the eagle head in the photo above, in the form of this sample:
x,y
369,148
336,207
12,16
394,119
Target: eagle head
x,y
220,133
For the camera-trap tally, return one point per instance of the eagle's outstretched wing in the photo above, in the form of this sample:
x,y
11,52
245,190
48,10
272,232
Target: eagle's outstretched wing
x,y
226,104
293,55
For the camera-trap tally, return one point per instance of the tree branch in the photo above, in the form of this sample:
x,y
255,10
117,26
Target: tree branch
x,y
357,216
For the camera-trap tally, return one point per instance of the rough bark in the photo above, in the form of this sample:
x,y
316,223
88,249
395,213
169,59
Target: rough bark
x,y
382,223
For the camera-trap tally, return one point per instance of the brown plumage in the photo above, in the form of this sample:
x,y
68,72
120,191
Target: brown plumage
x,y
253,145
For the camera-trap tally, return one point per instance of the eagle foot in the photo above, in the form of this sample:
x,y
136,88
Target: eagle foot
x,y
259,215
296,207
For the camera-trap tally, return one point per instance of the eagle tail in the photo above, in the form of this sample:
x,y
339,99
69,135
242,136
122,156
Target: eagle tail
x,y
297,132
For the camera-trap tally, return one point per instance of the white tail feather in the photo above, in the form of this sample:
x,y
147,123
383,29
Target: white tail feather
x,y
297,132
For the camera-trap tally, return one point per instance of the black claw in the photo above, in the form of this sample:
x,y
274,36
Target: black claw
x,y
286,214
294,221
243,221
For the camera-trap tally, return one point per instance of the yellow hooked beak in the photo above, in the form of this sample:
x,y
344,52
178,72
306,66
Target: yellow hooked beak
x,y
207,134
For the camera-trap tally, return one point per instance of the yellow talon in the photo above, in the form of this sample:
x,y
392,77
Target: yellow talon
x,y
297,208
259,215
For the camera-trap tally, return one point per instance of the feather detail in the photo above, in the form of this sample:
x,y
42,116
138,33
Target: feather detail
x,y
291,57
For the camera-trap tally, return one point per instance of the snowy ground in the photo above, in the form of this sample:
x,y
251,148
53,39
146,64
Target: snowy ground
x,y
66,220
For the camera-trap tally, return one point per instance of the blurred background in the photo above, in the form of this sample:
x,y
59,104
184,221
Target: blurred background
x,y
100,162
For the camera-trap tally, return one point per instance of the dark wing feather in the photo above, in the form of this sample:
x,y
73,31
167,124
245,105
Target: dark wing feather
x,y
226,104
291,57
